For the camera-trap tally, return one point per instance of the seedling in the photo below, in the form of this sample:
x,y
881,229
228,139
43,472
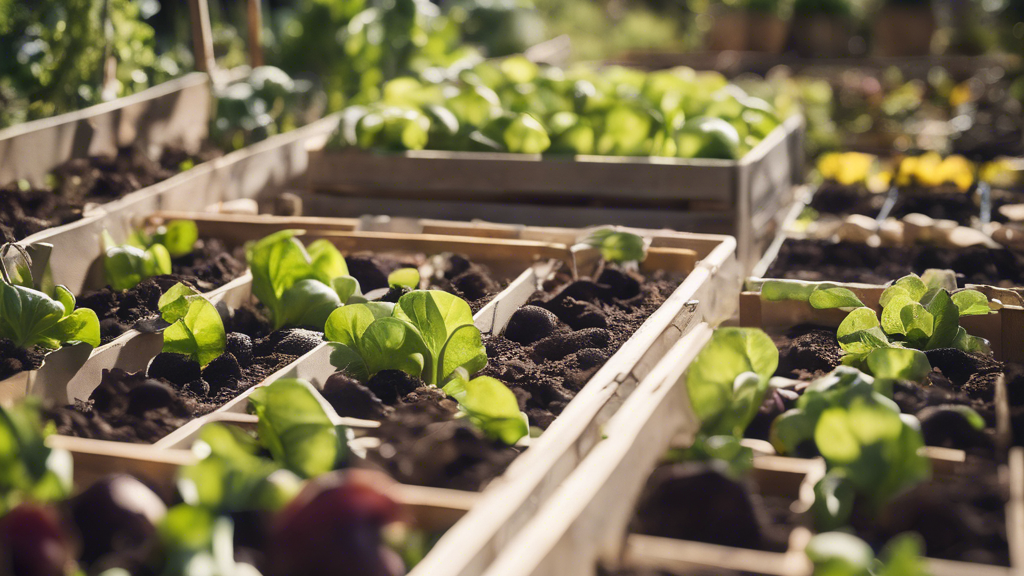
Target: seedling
x,y
30,318
843,554
196,329
404,278
489,405
178,236
299,286
618,247
126,265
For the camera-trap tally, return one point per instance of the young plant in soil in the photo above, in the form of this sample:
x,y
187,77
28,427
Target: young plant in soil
x,y
33,322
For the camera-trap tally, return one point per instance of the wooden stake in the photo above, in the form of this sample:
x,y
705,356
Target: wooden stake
x,y
202,35
255,33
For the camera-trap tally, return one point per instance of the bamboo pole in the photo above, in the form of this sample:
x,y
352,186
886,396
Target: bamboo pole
x,y
255,33
202,35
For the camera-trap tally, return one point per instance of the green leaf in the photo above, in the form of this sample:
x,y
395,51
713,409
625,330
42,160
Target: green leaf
x,y
903,556
436,315
26,315
781,290
326,261
346,287
892,320
123,267
29,470
464,349
939,279
968,343
840,554
836,438
199,334
294,428
81,326
405,278
834,497
713,379
392,344
65,297
490,405
156,262
910,286
174,303
348,360
917,322
347,324
526,135
971,303
823,298
187,528
618,247
277,262
178,236
860,332
307,303
899,364
947,321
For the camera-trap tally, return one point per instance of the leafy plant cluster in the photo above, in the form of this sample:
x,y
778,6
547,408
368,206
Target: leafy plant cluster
x,y
428,334
618,247
517,106
300,285
55,52
267,102
843,554
30,317
848,417
146,255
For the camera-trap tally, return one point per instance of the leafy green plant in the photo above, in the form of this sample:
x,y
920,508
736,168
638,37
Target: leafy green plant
x,y
619,247
30,318
490,405
299,286
177,236
843,554
872,455
126,265
29,470
428,335
196,329
729,378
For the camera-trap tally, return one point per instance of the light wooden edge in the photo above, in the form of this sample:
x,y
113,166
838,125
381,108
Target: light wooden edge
x,y
160,90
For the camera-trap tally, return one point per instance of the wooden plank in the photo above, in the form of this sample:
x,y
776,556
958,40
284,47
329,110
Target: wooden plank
x,y
202,35
254,25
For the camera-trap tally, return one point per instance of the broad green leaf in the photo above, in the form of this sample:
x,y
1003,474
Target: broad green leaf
x,y
899,364
840,554
65,297
464,349
835,437
892,320
436,315
781,290
277,262
347,324
26,315
626,129
346,287
307,303
156,262
834,297
173,303
712,378
947,321
348,360
405,277
834,497
393,344
178,236
187,528
490,405
911,286
917,322
860,332
81,326
937,279
200,334
968,343
618,247
904,556
971,303
123,267
326,261
295,429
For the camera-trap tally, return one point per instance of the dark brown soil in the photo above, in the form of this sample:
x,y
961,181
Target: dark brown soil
x,y
959,517
209,266
821,260
946,203
82,181
144,407
468,280
547,358
14,360
834,198
696,501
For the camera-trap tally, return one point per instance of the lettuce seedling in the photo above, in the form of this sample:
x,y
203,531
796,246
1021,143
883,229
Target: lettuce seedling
x,y
30,318
428,334
32,472
843,554
126,265
489,405
299,286
196,328
618,247
872,455
729,378
178,236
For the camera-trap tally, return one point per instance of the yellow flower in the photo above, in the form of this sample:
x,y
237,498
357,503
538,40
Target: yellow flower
x,y
846,168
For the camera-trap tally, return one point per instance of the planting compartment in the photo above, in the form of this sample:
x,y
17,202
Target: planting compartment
x,y
586,522
708,293
742,198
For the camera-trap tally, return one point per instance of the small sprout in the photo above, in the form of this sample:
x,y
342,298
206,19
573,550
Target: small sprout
x,y
126,265
490,405
404,278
